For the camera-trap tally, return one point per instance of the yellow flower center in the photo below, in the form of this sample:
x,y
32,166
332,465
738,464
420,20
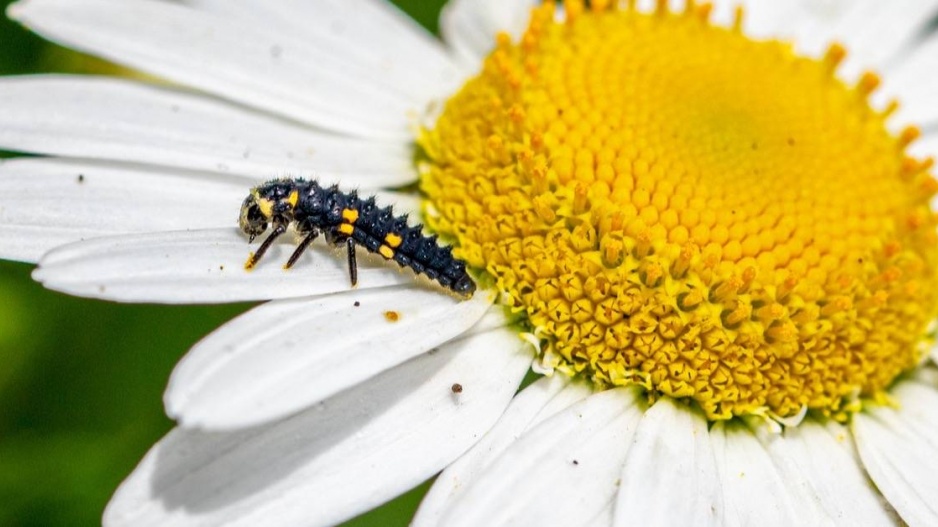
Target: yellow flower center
x,y
676,205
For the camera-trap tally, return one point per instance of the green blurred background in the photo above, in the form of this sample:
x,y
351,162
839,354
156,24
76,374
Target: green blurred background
x,y
81,381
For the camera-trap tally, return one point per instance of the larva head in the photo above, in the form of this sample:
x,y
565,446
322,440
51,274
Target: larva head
x,y
273,201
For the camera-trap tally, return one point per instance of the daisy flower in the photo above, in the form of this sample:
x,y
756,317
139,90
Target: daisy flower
x,y
708,224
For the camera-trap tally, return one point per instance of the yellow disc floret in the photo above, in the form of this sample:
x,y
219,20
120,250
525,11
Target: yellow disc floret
x,y
676,205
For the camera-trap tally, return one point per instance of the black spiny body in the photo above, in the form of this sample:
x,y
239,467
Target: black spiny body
x,y
345,219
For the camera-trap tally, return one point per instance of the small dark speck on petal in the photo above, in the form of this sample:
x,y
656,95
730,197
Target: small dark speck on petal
x,y
276,51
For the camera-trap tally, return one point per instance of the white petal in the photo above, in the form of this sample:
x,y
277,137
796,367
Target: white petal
x,y
207,267
373,34
669,476
771,18
822,455
914,82
603,517
925,146
403,203
927,375
562,472
59,201
335,460
756,491
106,118
240,61
286,355
535,403
874,32
811,25
761,18
470,26
899,448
